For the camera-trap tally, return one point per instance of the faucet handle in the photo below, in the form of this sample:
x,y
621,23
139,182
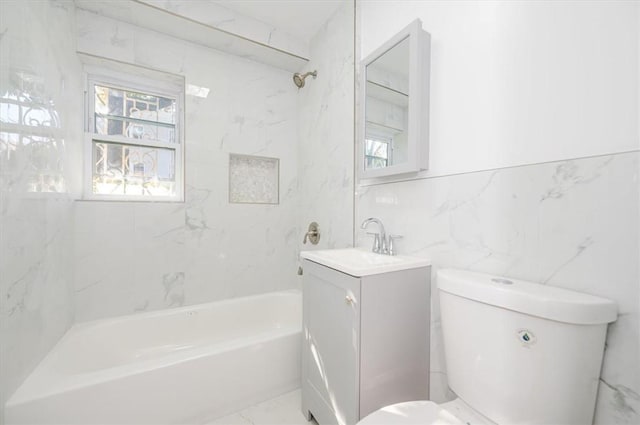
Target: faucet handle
x,y
313,234
376,241
392,248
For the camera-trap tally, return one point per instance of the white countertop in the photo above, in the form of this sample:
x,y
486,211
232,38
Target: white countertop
x,y
360,262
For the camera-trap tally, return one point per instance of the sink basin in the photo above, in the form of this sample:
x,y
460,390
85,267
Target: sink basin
x,y
360,262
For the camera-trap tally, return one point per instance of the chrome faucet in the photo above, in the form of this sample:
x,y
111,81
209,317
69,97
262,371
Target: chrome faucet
x,y
382,244
380,239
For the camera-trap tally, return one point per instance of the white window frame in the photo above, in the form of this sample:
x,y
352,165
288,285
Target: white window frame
x,y
106,77
382,137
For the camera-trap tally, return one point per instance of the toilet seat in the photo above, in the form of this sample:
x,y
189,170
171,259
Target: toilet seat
x,y
423,412
411,413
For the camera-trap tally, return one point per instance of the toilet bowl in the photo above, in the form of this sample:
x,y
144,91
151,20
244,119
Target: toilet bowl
x,y
454,412
516,353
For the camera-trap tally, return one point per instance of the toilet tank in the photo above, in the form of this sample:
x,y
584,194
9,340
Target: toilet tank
x,y
520,352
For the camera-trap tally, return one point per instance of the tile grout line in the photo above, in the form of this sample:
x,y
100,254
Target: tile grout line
x,y
533,164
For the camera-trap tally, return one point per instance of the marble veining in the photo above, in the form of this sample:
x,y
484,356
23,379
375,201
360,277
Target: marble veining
x,y
568,175
579,250
195,218
453,204
620,399
173,289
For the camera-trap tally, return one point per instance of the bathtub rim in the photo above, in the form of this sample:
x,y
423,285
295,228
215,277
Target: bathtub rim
x,y
101,322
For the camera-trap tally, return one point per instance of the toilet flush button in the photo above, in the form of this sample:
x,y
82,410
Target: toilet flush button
x,y
526,337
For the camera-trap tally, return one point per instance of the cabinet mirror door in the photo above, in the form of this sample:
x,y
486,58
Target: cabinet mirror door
x,y
395,87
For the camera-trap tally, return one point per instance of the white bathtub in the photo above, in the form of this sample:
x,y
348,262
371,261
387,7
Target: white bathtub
x,y
185,365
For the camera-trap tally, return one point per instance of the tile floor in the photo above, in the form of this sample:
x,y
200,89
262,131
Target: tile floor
x,y
283,410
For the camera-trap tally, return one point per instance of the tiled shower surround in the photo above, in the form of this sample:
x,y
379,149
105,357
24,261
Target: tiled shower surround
x,y
326,119
135,256
161,255
65,260
38,183
572,224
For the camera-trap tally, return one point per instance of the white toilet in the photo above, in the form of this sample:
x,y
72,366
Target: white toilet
x,y
516,353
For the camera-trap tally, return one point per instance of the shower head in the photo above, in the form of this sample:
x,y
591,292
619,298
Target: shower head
x,y
298,79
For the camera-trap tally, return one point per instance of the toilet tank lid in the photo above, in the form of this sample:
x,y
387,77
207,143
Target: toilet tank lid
x,y
548,302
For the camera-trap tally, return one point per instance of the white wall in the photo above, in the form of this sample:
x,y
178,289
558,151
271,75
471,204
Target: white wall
x,y
522,82
36,298
549,84
142,256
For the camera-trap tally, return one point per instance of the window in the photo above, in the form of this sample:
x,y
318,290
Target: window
x,y
377,152
134,146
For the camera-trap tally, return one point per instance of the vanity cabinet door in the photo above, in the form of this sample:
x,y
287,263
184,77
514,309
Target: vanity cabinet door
x,y
330,380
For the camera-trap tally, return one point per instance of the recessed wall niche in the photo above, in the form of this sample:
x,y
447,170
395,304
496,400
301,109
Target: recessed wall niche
x,y
253,179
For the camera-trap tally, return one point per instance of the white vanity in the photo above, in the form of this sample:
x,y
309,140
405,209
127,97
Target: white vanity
x,y
365,333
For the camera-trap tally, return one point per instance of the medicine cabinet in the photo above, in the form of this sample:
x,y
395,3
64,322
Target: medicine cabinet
x,y
394,132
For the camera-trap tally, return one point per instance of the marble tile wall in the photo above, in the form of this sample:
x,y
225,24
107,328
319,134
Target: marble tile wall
x,y
142,256
40,94
326,123
66,260
219,16
572,224
208,24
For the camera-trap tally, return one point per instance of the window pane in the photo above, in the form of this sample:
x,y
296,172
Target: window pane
x,y
134,114
121,169
111,125
376,153
377,148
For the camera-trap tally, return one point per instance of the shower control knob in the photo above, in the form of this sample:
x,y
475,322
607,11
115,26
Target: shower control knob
x,y
313,234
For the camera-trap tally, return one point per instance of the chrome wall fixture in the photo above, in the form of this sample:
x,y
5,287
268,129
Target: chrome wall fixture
x,y
313,234
382,243
298,78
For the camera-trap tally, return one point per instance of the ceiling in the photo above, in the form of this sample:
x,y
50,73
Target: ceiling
x,y
301,18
